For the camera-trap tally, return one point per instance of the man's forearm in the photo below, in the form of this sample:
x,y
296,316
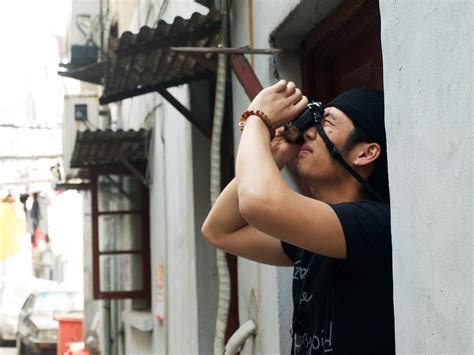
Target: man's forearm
x,y
256,169
224,217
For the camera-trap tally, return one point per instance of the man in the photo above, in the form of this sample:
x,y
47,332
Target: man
x,y
339,242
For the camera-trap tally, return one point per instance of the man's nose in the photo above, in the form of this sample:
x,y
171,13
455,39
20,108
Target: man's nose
x,y
310,134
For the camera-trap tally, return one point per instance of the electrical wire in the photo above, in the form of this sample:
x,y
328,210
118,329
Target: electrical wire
x,y
161,11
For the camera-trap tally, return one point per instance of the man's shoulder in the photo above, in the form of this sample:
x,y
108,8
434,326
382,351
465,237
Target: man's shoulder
x,y
363,207
363,213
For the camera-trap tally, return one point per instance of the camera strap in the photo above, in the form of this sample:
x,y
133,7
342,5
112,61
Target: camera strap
x,y
337,155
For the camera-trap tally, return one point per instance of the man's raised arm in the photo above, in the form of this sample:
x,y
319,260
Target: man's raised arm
x,y
225,229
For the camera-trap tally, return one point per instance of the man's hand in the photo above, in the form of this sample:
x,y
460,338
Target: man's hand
x,y
283,151
281,102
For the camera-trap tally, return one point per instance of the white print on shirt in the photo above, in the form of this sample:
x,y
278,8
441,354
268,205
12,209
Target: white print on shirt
x,y
300,272
315,342
305,297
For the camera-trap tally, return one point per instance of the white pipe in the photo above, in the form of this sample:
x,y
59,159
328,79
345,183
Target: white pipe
x,y
238,339
222,267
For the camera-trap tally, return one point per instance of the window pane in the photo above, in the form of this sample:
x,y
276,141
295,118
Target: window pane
x,y
118,192
120,232
121,272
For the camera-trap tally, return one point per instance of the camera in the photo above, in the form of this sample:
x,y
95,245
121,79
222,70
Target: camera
x,y
293,131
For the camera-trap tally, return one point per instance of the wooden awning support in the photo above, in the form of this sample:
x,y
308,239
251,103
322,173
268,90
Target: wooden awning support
x,y
135,172
239,65
246,75
183,110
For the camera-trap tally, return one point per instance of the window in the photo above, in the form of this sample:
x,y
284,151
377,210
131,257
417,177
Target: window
x,y
80,112
120,235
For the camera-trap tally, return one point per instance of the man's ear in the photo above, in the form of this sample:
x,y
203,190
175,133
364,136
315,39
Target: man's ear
x,y
367,153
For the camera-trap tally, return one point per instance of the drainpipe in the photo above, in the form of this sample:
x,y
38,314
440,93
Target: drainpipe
x,y
106,326
238,339
246,330
222,267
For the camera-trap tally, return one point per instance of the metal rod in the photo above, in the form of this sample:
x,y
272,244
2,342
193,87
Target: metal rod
x,y
229,50
20,182
118,252
121,212
30,157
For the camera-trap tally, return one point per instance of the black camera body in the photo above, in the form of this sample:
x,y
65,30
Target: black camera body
x,y
294,130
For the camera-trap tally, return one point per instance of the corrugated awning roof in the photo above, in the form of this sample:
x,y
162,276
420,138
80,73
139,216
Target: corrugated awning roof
x,y
106,147
92,73
145,60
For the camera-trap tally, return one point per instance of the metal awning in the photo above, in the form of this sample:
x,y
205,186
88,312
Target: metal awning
x,y
92,73
144,62
108,147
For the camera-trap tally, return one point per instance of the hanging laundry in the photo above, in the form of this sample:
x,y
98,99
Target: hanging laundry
x,y
12,227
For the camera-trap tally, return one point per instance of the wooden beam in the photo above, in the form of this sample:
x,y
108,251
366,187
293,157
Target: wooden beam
x,y
140,90
184,111
245,74
134,172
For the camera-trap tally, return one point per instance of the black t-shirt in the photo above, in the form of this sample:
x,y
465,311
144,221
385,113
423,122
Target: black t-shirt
x,y
346,306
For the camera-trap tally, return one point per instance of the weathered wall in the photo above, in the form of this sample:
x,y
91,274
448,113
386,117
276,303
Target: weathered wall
x,y
181,268
173,210
172,232
206,275
428,75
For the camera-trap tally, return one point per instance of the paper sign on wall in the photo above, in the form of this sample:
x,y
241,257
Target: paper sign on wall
x,y
160,292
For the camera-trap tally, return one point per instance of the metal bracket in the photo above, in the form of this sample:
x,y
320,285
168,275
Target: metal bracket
x,y
230,50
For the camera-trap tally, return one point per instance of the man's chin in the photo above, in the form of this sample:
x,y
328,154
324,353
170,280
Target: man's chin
x,y
299,172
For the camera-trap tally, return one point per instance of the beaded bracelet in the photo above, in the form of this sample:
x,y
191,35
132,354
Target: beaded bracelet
x,y
263,117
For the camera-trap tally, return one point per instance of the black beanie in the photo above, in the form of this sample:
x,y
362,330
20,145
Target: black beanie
x,y
365,107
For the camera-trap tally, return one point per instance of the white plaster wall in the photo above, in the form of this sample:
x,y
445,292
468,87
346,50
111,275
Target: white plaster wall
x,y
172,225
188,326
158,225
138,112
181,269
172,231
428,74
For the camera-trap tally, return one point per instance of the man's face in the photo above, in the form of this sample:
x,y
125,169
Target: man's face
x,y
315,164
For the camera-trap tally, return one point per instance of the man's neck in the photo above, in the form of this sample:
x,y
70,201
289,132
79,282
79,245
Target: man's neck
x,y
343,192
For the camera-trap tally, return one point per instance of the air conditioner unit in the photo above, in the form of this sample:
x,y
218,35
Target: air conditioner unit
x,y
84,32
81,112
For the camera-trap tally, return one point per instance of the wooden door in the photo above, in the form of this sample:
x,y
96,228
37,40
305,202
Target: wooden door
x,y
344,51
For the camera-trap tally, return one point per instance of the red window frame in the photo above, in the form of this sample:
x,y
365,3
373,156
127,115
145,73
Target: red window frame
x,y
143,211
